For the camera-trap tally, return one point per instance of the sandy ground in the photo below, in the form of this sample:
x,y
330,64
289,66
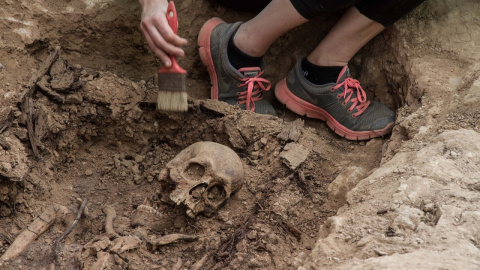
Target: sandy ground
x,y
85,128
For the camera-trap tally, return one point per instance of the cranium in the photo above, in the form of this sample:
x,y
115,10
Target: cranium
x,y
205,175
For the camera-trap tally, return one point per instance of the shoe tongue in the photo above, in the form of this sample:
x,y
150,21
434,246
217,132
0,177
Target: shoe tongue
x,y
250,72
345,73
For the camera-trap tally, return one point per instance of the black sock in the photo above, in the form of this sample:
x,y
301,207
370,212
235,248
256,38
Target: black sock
x,y
239,59
319,74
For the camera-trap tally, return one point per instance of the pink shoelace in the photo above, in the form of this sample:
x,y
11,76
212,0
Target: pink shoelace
x,y
255,86
350,85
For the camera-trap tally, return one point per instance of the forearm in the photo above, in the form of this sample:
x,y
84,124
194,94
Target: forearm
x,y
159,35
144,3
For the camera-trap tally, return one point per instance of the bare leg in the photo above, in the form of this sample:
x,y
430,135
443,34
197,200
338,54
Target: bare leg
x,y
345,39
257,35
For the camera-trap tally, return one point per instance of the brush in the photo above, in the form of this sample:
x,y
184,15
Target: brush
x,y
172,93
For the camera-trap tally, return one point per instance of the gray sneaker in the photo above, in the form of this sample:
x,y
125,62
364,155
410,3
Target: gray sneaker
x,y
343,105
243,87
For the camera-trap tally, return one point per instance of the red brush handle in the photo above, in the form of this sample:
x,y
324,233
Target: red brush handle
x,y
172,17
172,20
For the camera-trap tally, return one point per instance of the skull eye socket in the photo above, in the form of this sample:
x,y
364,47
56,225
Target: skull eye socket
x,y
198,190
194,171
216,194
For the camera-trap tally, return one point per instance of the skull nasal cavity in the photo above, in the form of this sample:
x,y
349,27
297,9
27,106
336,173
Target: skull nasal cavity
x,y
194,171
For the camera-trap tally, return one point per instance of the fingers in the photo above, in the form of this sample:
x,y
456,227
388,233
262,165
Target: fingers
x,y
161,38
158,52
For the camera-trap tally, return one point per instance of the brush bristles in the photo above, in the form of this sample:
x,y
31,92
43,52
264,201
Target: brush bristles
x,y
172,101
172,94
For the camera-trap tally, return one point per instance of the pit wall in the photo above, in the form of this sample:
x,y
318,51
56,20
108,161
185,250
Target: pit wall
x,y
419,210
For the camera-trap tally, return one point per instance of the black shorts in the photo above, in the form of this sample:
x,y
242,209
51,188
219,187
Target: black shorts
x,y
385,12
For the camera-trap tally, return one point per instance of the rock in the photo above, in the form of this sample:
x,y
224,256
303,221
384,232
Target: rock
x,y
408,218
294,155
14,162
58,67
139,158
345,181
380,252
234,135
76,98
291,131
62,82
263,142
252,235
6,114
21,134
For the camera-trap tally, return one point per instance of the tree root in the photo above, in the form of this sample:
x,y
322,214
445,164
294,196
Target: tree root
x,y
69,230
26,98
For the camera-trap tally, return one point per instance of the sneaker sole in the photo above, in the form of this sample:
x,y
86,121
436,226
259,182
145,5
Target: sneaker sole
x,y
304,108
206,55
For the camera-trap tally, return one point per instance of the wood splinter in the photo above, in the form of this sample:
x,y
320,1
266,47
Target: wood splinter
x,y
33,231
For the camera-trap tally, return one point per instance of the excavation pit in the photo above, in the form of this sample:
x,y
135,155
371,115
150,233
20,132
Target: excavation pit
x,y
103,140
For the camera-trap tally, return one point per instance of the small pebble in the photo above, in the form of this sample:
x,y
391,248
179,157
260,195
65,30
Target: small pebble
x,y
380,252
88,172
252,235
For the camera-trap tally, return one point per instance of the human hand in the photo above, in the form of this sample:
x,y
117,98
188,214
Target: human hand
x,y
160,37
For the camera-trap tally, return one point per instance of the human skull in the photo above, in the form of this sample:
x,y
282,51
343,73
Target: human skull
x,y
205,175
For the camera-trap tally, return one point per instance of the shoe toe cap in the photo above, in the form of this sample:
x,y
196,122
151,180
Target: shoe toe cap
x,y
382,123
261,106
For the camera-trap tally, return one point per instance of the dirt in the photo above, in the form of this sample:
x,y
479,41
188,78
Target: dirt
x,y
86,128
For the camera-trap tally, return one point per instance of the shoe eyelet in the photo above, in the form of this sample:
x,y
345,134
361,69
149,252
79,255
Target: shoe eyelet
x,y
344,103
339,96
239,85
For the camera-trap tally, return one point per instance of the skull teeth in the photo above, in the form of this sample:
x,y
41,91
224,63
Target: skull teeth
x,y
148,209
190,213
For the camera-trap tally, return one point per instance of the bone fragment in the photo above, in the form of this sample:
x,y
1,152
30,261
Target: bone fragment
x,y
104,261
171,238
111,215
199,265
178,264
125,243
34,230
163,175
294,155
